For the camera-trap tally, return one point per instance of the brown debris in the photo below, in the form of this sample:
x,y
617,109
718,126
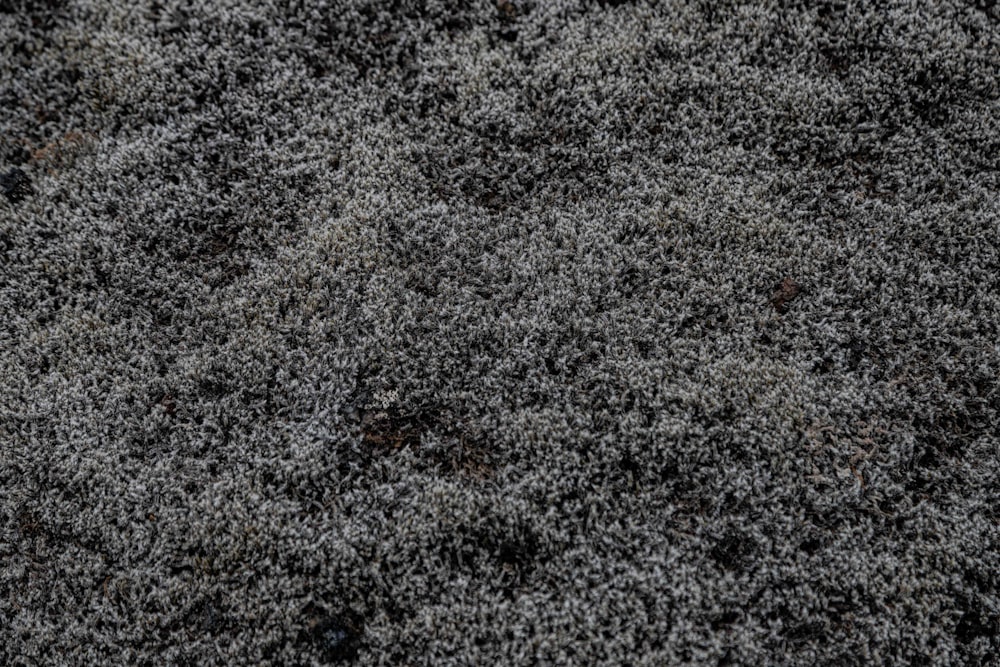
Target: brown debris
x,y
59,153
785,292
169,404
507,8
389,430
386,430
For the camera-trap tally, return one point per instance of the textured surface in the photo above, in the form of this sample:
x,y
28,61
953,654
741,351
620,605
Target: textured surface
x,y
523,333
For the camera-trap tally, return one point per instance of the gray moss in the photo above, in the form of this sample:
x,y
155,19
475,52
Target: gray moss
x,y
438,333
